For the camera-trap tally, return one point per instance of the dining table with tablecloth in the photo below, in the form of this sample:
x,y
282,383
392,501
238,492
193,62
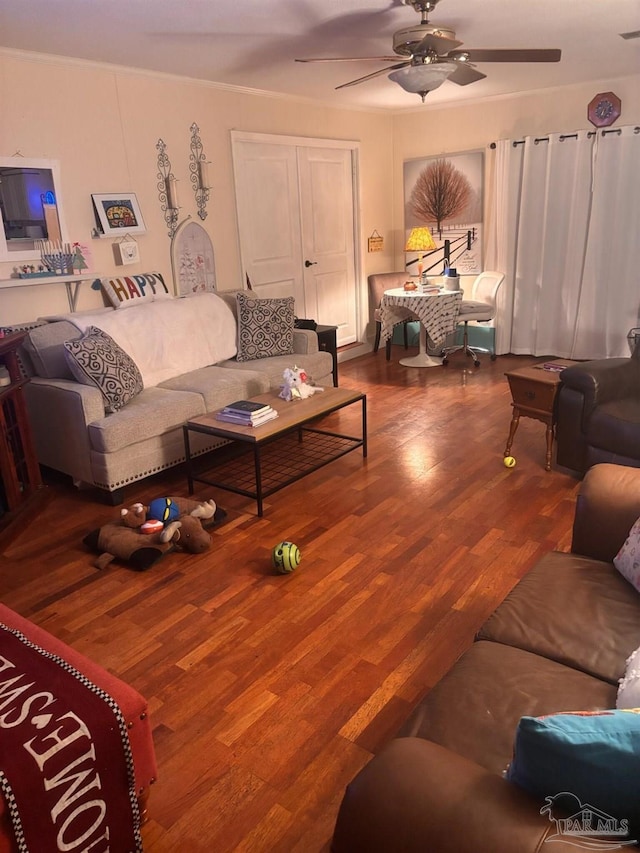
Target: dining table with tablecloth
x,y
437,312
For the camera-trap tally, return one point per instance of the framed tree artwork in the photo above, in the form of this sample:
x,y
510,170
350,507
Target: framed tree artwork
x,y
445,193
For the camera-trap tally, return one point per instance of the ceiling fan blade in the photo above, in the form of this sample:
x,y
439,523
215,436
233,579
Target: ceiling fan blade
x,y
439,44
351,59
375,74
522,55
465,74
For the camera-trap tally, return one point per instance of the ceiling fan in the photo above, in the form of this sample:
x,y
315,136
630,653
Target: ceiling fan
x,y
432,56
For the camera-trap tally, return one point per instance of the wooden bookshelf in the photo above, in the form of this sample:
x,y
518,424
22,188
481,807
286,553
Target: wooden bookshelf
x,y
21,489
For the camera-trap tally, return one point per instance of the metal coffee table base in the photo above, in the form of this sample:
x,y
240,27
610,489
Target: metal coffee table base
x,y
257,466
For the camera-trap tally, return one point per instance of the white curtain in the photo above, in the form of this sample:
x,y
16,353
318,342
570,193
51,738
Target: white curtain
x,y
563,214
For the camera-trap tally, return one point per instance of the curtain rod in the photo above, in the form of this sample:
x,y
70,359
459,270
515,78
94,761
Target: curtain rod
x,y
564,136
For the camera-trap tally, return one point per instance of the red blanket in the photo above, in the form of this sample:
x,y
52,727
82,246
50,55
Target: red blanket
x,y
66,768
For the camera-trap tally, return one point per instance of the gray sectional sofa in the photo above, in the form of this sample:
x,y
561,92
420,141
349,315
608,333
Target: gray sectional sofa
x,y
75,434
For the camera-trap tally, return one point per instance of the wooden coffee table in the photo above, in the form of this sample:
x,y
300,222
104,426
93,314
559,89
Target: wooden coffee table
x,y
269,457
534,391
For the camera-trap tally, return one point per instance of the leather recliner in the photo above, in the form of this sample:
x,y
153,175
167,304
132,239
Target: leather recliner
x,y
598,416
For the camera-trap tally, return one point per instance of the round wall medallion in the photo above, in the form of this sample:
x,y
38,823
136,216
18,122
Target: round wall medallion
x,y
604,109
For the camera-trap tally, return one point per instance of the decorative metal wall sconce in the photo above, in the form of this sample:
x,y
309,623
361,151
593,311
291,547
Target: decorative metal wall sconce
x,y
167,189
199,168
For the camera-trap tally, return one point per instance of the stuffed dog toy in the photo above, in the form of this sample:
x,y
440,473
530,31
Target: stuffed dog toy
x,y
124,540
297,385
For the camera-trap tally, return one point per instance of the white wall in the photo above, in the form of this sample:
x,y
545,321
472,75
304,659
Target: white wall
x,y
430,132
103,124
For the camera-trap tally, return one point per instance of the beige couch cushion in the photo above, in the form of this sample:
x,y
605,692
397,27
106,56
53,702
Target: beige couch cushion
x,y
45,346
318,365
219,385
151,413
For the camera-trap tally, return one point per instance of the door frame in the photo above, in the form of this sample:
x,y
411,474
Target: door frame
x,y
318,142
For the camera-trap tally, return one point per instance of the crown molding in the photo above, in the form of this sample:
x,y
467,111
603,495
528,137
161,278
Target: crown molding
x,y
90,64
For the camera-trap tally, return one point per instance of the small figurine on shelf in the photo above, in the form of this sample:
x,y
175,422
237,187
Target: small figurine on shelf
x,y
79,260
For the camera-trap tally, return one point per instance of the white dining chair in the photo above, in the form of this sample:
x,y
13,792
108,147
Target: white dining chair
x,y
481,307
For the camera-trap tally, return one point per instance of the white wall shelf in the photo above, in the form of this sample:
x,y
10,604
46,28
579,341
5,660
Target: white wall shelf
x,y
71,282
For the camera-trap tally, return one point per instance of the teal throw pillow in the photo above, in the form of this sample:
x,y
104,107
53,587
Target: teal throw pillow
x,y
592,755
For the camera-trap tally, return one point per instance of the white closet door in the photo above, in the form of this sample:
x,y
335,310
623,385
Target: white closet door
x,y
295,206
267,193
326,204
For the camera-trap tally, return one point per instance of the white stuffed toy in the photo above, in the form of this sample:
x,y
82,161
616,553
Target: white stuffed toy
x,y
296,386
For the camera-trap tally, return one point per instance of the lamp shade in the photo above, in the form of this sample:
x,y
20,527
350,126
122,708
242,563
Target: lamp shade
x,y
422,78
420,240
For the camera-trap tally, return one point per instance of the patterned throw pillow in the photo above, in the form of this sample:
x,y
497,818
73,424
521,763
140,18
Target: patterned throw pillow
x,y
627,560
265,326
96,359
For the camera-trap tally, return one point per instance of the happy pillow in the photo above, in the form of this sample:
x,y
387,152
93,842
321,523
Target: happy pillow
x,y
128,290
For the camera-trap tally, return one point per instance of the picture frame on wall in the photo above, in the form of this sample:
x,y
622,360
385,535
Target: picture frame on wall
x,y
445,193
118,213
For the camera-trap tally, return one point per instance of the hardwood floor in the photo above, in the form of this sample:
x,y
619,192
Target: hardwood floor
x,y
268,693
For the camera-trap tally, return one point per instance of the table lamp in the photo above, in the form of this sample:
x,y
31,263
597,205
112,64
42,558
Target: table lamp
x,y
420,240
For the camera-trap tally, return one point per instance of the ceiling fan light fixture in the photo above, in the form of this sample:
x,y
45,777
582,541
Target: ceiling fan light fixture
x,y
423,78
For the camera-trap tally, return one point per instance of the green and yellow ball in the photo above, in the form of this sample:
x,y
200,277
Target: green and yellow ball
x,y
285,557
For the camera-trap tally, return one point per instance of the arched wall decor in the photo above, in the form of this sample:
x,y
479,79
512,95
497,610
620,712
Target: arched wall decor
x,y
192,259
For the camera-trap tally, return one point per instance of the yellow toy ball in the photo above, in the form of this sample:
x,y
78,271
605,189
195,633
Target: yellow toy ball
x,y
509,462
285,557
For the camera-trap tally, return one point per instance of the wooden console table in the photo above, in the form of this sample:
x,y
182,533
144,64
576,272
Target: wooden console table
x,y
21,483
534,391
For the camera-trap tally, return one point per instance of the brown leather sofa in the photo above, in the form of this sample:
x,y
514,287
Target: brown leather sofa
x,y
598,417
558,642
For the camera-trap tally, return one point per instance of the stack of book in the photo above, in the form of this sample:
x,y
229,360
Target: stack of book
x,y
247,413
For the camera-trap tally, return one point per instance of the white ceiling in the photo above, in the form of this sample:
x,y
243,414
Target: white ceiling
x,y
253,43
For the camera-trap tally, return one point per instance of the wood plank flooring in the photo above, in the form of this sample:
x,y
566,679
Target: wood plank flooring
x,y
268,693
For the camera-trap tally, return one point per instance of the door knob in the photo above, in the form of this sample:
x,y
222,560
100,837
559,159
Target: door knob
x,y
310,263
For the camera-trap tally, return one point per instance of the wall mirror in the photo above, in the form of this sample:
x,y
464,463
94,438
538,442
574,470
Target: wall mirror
x,y
30,207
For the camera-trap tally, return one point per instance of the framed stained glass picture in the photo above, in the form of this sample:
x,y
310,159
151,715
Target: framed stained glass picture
x,y
117,213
